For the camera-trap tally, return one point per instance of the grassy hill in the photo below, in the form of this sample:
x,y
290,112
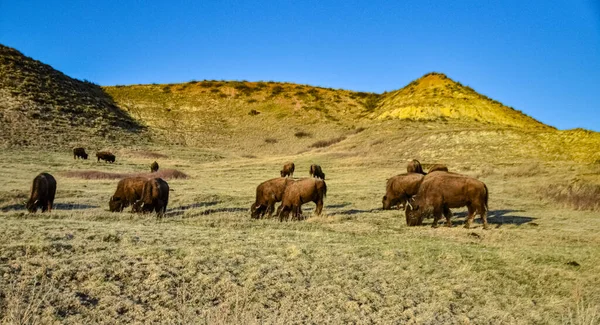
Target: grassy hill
x,y
40,106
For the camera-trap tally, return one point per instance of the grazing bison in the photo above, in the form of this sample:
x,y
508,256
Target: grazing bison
x,y
129,190
267,194
441,191
155,196
106,156
154,167
43,190
438,168
400,188
300,192
288,170
79,153
414,167
316,171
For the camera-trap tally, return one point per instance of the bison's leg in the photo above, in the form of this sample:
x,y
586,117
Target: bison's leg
x,y
483,213
470,216
448,215
319,207
270,210
437,215
283,212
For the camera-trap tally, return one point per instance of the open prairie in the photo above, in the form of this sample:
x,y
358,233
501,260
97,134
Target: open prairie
x,y
207,261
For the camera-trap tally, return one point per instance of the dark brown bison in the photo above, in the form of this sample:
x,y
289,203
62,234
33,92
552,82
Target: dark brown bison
x,y
129,190
288,170
155,197
414,167
438,168
267,194
439,192
154,167
43,190
300,192
79,153
316,171
106,156
400,188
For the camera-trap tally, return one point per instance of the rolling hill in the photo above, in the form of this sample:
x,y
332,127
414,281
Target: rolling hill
x,y
40,106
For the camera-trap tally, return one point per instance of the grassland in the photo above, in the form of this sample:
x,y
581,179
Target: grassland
x,y
208,262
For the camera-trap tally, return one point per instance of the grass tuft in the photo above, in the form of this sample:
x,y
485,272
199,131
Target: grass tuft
x,y
94,174
327,143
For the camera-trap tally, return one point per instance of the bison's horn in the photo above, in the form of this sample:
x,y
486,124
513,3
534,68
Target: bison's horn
x,y
408,204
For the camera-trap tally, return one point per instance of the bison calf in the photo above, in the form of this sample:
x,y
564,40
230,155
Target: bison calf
x,y
155,197
300,192
79,153
400,188
129,190
267,194
106,156
154,167
441,191
316,171
288,170
414,167
42,195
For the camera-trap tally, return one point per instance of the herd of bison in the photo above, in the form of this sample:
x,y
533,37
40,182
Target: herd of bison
x,y
420,194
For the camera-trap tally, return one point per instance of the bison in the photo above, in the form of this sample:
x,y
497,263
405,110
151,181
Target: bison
x,y
129,190
288,170
154,167
42,195
106,156
155,196
414,167
79,153
400,188
438,168
316,171
441,191
267,194
300,192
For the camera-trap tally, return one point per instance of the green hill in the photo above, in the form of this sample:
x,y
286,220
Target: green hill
x,y
41,106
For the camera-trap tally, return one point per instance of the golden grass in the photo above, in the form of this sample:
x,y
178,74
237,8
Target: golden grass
x,y
94,174
209,262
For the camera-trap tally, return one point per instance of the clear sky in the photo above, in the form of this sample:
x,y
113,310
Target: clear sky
x,y
541,57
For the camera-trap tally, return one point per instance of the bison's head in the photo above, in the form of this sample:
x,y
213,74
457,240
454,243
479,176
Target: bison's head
x,y
255,210
387,202
282,173
413,213
85,156
115,204
32,206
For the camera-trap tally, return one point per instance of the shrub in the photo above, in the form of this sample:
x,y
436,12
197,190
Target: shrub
x,y
302,134
253,112
215,90
94,174
576,195
371,102
327,143
270,140
276,90
252,100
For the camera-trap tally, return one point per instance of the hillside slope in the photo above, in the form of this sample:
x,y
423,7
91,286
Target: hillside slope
x,y
41,106
435,96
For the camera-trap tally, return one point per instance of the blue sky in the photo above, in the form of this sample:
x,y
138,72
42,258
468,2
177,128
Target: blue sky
x,y
541,57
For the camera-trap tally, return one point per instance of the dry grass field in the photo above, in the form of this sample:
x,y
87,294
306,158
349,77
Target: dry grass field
x,y
208,262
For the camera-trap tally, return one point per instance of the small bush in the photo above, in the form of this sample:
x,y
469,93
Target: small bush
x,y
276,90
253,112
577,195
358,130
215,90
302,134
251,101
327,143
94,174
270,140
371,102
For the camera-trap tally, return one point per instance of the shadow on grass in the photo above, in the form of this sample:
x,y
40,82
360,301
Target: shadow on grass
x,y
181,209
56,206
337,206
497,217
356,211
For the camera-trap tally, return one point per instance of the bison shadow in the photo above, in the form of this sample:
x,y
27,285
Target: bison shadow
x,y
56,206
337,206
497,217
181,209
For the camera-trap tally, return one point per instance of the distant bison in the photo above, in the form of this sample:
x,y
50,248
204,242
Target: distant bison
x,y
129,190
106,156
42,195
316,171
400,188
267,194
300,192
438,168
441,191
154,167
79,153
414,167
155,197
288,170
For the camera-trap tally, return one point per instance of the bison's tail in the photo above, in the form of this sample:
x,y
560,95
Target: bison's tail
x,y
486,197
324,189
